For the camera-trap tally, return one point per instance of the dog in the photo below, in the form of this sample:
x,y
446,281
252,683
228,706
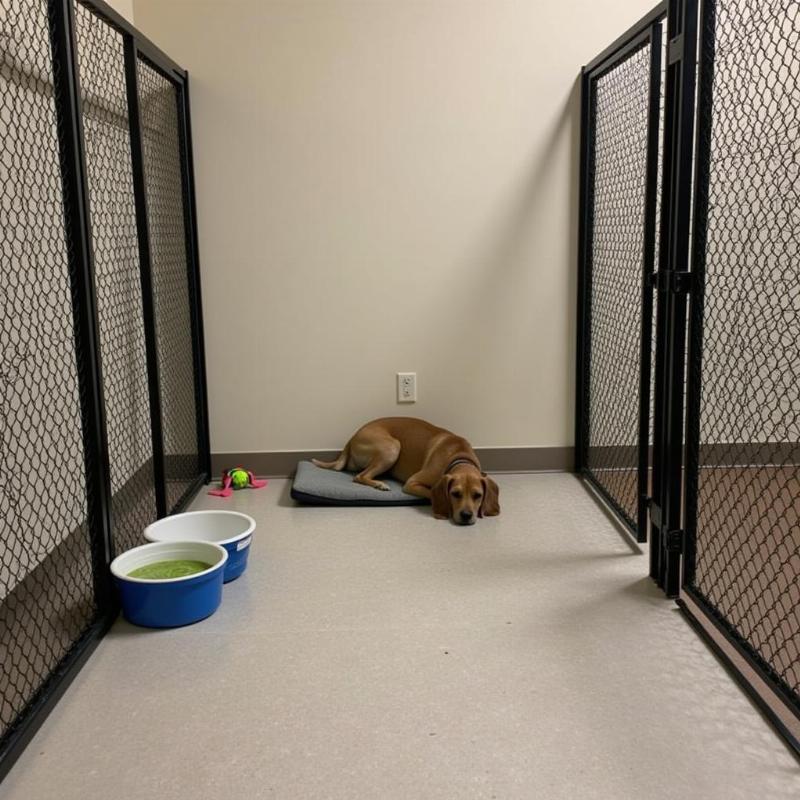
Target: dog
x,y
430,461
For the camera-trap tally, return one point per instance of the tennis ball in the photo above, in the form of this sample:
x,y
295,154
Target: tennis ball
x,y
239,479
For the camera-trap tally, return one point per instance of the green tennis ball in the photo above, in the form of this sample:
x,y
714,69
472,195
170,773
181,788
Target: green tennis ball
x,y
239,479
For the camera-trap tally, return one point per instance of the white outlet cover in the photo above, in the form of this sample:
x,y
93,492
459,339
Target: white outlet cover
x,y
406,387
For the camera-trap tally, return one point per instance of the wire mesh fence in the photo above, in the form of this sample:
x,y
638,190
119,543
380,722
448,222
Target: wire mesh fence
x,y
117,276
163,167
71,303
744,483
726,477
619,321
46,588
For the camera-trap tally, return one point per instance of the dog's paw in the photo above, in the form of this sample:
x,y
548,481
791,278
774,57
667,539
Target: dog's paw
x,y
383,487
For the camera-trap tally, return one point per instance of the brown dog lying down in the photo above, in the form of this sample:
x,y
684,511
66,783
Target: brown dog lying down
x,y
431,462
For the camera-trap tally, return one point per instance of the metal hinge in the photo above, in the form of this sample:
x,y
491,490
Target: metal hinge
x,y
675,49
655,512
672,540
669,280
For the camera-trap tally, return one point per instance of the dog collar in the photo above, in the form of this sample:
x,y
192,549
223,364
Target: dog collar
x,y
456,461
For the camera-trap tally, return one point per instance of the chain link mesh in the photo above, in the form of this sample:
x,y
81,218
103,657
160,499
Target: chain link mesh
x,y
618,185
162,143
747,538
46,589
117,276
48,607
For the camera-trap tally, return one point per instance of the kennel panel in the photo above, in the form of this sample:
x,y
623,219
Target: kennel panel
x,y
743,474
47,585
163,144
78,476
621,151
118,284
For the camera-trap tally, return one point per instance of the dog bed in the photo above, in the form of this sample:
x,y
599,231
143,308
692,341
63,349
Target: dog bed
x,y
313,485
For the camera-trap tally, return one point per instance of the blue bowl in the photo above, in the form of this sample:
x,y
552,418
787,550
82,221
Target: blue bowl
x,y
176,601
230,529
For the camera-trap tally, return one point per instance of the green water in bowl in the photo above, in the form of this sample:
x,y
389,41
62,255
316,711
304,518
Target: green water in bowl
x,y
166,570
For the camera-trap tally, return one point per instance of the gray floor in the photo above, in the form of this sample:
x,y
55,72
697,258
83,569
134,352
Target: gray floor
x,y
378,653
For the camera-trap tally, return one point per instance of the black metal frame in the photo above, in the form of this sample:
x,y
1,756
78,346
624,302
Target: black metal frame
x,y
195,294
180,81
699,612
674,284
84,302
661,501
647,31
673,505
137,46
77,221
145,264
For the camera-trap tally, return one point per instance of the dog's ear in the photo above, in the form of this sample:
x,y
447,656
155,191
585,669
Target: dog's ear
x,y
490,506
440,497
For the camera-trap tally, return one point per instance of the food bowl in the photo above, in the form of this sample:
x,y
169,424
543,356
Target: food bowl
x,y
173,601
230,529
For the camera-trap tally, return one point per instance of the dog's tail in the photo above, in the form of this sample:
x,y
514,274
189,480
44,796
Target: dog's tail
x,y
339,464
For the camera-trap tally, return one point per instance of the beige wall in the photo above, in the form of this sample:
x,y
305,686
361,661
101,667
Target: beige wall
x,y
384,187
124,7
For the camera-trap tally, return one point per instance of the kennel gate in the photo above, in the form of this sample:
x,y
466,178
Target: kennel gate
x,y
621,112
103,421
742,560
724,498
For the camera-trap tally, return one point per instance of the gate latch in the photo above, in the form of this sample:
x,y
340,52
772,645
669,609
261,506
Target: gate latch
x,y
669,280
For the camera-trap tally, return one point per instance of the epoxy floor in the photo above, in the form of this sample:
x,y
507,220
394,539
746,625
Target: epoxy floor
x,y
379,653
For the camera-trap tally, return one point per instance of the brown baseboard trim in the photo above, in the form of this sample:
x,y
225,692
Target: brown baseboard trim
x,y
741,666
282,463
526,459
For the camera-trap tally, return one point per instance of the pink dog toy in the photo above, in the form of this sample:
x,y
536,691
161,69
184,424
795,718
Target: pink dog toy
x,y
237,478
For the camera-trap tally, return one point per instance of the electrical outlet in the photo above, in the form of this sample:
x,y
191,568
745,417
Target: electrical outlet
x,y
406,387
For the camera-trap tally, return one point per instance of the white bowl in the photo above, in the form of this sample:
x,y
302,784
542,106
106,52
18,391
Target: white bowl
x,y
230,529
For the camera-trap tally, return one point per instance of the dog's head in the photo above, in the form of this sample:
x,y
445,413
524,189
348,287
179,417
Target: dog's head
x,y
465,495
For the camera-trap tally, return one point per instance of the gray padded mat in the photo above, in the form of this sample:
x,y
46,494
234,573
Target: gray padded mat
x,y
324,487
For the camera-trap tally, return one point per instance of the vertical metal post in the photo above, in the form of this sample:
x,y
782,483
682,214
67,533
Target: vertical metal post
x,y
694,378
145,266
193,265
583,338
67,95
648,270
673,284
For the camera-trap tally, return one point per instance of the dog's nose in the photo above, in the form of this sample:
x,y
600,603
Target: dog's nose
x,y
466,516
